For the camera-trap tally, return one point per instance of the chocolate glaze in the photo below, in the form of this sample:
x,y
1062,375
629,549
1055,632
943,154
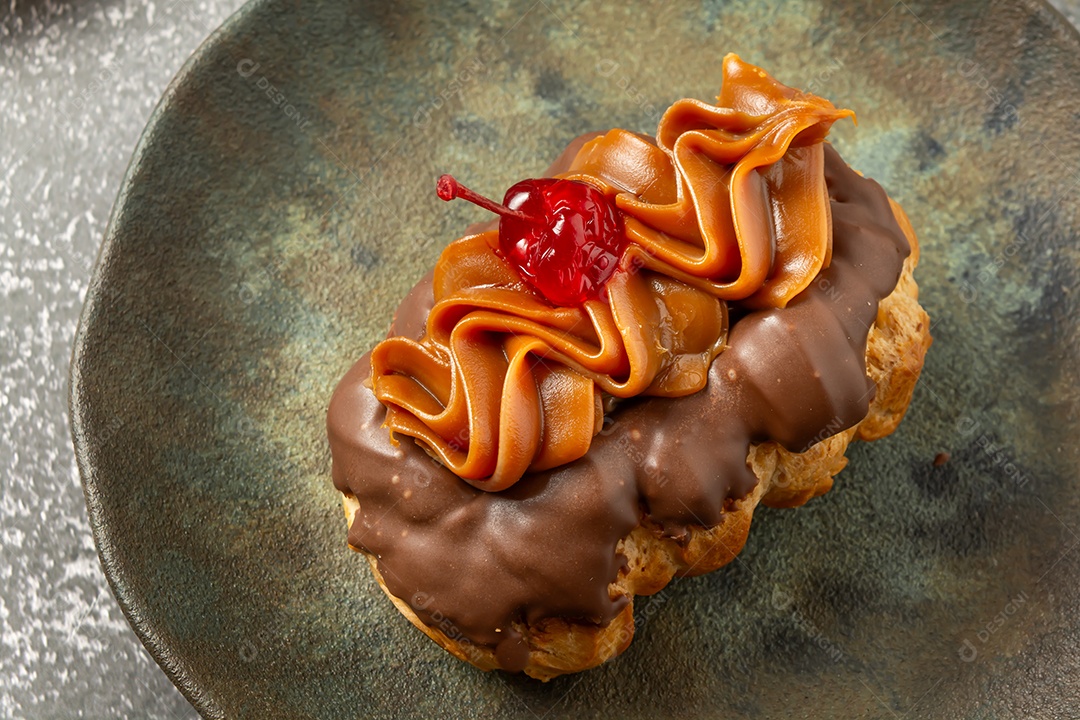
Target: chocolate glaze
x,y
472,562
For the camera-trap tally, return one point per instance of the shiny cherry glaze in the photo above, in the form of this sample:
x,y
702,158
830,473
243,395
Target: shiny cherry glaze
x,y
563,236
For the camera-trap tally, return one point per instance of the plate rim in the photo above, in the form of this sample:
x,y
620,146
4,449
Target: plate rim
x,y
166,658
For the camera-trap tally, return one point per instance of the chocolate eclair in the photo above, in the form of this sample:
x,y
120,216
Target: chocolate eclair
x,y
593,396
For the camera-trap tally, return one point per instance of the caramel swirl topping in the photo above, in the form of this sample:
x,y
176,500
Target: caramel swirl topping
x,y
729,205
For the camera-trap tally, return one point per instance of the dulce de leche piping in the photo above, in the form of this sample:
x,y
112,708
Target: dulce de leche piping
x,y
729,204
476,564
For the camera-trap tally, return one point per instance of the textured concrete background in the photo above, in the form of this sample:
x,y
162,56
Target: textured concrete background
x,y
1070,8
78,81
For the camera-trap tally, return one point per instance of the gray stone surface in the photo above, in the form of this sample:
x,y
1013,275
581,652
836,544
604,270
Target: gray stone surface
x,y
1069,8
78,81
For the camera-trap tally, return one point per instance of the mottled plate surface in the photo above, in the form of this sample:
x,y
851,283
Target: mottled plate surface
x,y
281,202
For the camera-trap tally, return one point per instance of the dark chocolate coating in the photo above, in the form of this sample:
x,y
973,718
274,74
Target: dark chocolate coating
x,y
472,562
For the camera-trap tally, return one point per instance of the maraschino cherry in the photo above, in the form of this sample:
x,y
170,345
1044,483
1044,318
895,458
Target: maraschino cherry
x,y
563,236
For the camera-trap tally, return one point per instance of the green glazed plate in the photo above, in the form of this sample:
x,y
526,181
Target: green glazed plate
x,y
282,200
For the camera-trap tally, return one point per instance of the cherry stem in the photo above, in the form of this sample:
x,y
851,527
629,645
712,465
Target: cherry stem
x,y
448,188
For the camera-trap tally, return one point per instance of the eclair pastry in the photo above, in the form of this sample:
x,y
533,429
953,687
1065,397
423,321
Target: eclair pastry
x,y
593,396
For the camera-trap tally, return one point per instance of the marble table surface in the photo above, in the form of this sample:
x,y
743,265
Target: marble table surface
x,y
78,82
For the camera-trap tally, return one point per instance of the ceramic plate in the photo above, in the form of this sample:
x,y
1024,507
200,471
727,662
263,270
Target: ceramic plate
x,y
281,202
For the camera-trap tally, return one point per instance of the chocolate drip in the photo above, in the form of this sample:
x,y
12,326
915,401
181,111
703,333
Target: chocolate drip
x,y
472,562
